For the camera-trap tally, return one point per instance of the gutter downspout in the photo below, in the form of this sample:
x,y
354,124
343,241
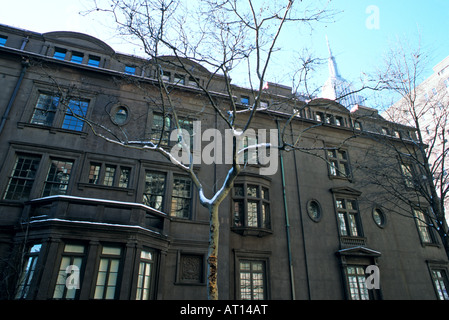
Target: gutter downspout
x,y
302,221
287,222
25,65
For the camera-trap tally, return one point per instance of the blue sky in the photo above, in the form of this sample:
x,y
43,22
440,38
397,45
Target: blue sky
x,y
357,48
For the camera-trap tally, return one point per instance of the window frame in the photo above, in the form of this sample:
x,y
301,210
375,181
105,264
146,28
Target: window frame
x,y
162,194
440,282
425,231
141,284
108,258
338,158
100,179
166,130
28,272
53,182
51,113
71,255
241,220
186,199
12,176
346,213
252,256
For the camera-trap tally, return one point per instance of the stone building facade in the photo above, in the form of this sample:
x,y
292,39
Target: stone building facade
x,y
84,218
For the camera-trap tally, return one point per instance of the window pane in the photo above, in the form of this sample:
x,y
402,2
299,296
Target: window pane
x,y
45,109
22,178
124,177
181,197
252,213
76,111
252,280
58,177
109,175
77,57
59,53
153,195
94,173
252,191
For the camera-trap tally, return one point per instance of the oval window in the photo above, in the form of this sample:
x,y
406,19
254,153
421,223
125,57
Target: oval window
x,y
121,115
314,210
379,217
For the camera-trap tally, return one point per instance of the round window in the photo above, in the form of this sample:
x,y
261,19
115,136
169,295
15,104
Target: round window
x,y
379,217
121,115
314,210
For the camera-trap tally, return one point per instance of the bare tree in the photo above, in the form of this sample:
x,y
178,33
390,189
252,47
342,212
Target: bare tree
x,y
223,36
420,160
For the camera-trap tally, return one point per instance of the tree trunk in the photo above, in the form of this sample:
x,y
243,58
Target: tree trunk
x,y
212,259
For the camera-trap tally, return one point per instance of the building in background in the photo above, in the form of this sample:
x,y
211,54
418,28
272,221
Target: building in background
x,y
82,218
427,109
337,88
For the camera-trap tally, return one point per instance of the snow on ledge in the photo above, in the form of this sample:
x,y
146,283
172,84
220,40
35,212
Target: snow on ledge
x,y
104,201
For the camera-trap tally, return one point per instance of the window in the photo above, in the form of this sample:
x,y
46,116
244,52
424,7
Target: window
x,y
251,206
424,228
76,111
130,70
162,127
379,217
338,163
165,76
121,115
22,178
60,53
357,125
93,61
29,269
3,40
348,217
108,175
108,273
407,173
45,109
154,192
194,82
181,197
77,57
314,210
94,173
145,276
357,283
252,281
179,79
440,282
244,100
58,177
70,266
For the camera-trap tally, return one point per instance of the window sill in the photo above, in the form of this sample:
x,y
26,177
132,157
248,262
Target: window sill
x,y
81,186
251,231
53,130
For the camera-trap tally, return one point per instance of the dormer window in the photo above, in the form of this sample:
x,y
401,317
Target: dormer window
x,y
179,79
77,57
94,61
3,40
60,53
130,70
